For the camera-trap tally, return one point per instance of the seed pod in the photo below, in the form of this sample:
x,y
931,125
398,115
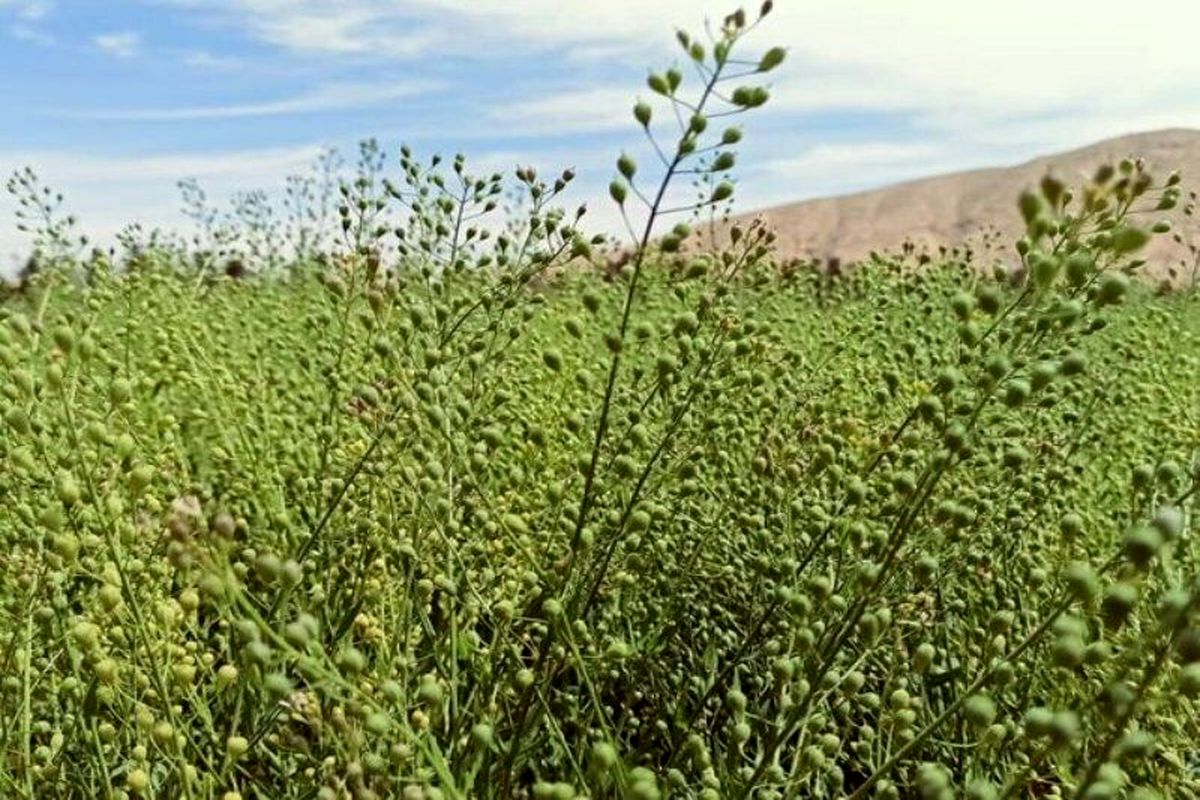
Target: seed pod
x,y
64,338
1064,727
277,684
1037,721
268,565
1189,680
642,113
1141,545
138,780
1030,206
237,746
1187,645
1052,189
723,162
1073,363
1067,651
1134,745
618,192
923,658
52,518
1127,239
1045,269
771,59
18,420
979,710
1097,653
743,96
1112,289
1168,521
1082,581
86,635
1079,267
377,723
723,191
981,789
1119,600
1016,393
626,166
352,660
429,691
603,756
139,478
68,490
1042,374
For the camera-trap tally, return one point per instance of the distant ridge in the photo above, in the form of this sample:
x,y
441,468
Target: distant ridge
x,y
956,208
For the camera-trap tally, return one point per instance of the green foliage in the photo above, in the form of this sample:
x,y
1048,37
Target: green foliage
x,y
425,513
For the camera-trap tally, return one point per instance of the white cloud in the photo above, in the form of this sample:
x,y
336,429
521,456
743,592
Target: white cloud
x,y
584,110
28,13
955,84
33,10
205,60
385,28
836,157
29,33
830,169
988,63
1023,51
330,97
1018,48
122,44
85,171
28,10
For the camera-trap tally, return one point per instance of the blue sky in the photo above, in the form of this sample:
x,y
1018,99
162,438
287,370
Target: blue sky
x,y
112,101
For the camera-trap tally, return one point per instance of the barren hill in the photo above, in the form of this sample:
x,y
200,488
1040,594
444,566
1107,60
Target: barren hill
x,y
957,208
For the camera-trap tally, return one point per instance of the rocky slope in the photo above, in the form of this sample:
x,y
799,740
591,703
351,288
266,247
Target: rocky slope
x,y
959,208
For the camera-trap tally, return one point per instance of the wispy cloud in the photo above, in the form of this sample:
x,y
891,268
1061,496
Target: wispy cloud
x,y
871,92
253,165
205,60
28,15
844,54
122,44
28,33
28,10
825,169
330,97
388,29
594,109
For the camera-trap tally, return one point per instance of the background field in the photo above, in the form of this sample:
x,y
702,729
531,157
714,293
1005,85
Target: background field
x,y
417,489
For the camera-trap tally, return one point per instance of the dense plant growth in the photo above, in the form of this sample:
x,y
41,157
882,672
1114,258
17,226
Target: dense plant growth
x,y
430,508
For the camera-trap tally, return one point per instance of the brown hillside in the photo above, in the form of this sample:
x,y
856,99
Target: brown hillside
x,y
957,208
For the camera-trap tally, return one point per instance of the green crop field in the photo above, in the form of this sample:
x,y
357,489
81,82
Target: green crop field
x,y
454,512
